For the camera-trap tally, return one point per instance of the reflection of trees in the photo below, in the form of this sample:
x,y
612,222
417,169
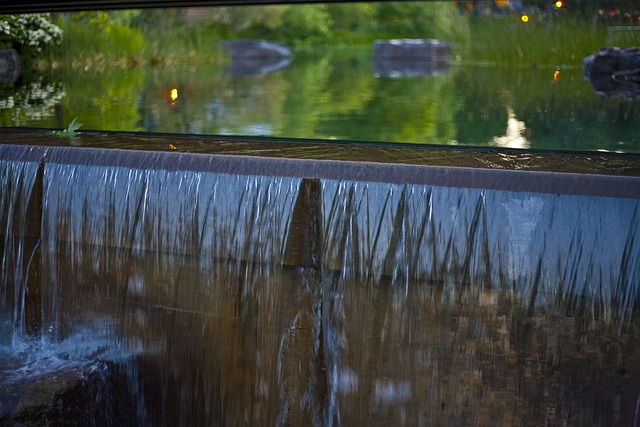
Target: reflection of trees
x,y
290,103
211,101
102,100
331,96
402,110
334,95
340,98
34,101
323,88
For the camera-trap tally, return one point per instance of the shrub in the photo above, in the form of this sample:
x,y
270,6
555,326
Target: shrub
x,y
29,33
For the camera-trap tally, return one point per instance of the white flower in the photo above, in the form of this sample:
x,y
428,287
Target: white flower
x,y
32,30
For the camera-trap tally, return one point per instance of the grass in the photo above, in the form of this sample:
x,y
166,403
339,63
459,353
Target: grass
x,y
544,41
128,47
196,43
85,47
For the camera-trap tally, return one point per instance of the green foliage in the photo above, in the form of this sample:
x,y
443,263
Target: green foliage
x,y
544,41
151,20
105,100
358,22
94,35
308,23
295,25
187,43
438,20
350,16
70,130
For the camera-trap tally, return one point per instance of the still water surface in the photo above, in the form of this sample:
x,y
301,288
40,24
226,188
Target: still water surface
x,y
337,93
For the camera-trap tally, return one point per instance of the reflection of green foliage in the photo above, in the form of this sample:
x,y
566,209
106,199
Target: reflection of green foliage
x,y
353,104
105,100
350,85
306,96
30,104
427,116
212,101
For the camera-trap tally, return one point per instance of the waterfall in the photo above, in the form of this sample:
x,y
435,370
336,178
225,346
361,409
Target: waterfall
x,y
105,216
543,247
165,289
17,178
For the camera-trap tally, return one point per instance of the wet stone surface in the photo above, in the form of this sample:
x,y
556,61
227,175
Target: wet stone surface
x,y
75,393
502,159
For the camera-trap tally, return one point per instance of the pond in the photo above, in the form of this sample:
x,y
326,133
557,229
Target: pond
x,y
336,93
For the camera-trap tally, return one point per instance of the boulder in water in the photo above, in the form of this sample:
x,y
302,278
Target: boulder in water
x,y
10,65
614,72
410,57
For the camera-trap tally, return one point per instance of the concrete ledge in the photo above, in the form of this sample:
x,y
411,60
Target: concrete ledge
x,y
481,178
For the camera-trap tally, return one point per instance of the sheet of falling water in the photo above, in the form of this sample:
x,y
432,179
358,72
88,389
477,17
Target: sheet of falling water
x,y
189,341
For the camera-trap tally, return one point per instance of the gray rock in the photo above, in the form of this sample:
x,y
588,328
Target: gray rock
x,y
410,57
417,49
10,65
614,72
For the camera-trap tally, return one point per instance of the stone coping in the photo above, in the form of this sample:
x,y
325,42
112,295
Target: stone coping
x,y
600,174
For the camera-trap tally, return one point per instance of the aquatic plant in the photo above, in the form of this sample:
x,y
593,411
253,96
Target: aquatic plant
x,y
71,129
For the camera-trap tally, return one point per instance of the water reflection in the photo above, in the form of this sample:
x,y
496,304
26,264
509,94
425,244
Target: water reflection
x,y
513,137
410,57
334,94
257,57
